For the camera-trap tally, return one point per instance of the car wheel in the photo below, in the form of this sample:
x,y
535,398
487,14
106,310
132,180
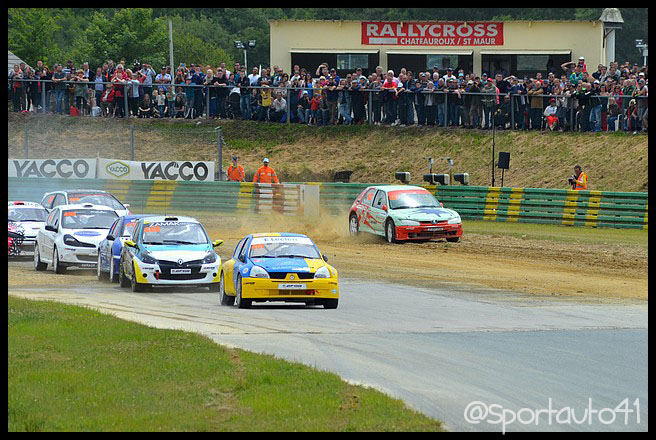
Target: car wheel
x,y
225,299
112,273
136,287
453,239
99,273
354,227
59,268
122,279
330,303
38,264
390,231
239,301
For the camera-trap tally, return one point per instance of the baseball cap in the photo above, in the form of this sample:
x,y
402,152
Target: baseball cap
x,y
581,58
234,158
266,159
470,82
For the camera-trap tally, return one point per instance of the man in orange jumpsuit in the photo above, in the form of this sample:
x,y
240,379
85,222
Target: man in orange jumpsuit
x,y
235,171
265,174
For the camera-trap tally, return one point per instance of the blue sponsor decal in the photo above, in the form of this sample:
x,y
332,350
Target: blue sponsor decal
x,y
438,212
87,234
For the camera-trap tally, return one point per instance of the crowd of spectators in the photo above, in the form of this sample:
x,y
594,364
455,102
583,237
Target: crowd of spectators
x,y
612,98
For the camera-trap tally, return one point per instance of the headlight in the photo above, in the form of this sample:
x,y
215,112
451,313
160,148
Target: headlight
x,y
71,241
455,220
148,259
210,258
408,223
322,272
258,272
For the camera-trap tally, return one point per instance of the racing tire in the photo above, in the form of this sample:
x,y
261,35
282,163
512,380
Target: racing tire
x,y
59,268
122,279
354,226
453,239
239,301
113,276
390,231
226,300
136,287
330,303
102,276
38,264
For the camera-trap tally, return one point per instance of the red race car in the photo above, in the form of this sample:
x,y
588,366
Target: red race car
x,y
402,212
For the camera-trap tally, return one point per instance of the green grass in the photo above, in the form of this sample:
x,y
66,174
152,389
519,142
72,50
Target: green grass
x,y
571,234
76,369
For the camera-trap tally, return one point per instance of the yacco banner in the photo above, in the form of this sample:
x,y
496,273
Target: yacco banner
x,y
422,33
58,168
162,170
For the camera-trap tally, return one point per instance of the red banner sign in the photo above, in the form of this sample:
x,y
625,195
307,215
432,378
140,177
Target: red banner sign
x,y
421,33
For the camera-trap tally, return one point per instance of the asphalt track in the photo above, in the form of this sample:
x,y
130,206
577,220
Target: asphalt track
x,y
547,362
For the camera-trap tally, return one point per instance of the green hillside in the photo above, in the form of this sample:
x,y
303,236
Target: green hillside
x,y
613,161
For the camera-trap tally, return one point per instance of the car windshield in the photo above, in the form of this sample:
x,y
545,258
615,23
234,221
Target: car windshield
x,y
283,247
88,219
27,214
403,199
96,199
171,232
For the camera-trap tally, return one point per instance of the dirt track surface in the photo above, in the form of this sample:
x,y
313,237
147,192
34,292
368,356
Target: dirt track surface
x,y
537,267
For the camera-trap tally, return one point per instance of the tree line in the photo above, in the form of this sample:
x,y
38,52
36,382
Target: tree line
x,y
207,35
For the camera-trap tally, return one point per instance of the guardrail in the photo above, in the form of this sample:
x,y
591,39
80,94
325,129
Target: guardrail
x,y
166,196
523,205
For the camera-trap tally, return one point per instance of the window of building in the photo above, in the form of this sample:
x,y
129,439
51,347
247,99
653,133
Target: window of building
x,y
532,62
441,61
352,61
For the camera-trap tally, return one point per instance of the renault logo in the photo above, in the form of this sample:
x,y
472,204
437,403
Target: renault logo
x,y
434,222
180,262
291,277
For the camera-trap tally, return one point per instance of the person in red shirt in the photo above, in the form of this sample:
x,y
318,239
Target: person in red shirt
x,y
265,174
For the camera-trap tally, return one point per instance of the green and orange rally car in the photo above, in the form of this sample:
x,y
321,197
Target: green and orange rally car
x,y
402,212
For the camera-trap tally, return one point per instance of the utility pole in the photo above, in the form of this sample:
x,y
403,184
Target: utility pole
x,y
171,46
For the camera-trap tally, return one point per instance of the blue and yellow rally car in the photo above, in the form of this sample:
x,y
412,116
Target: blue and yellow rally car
x,y
166,250
278,267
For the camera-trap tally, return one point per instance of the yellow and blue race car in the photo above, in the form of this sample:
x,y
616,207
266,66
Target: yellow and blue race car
x,y
278,267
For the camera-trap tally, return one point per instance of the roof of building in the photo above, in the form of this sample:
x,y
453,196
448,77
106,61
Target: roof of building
x,y
13,59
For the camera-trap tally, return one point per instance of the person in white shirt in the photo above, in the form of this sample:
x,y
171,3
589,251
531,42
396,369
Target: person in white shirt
x,y
254,77
550,113
163,79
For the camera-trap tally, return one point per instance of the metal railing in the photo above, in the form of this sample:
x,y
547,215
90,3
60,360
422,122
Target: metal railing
x,y
452,106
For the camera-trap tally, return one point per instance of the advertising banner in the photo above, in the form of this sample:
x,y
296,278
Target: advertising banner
x,y
422,33
49,168
161,170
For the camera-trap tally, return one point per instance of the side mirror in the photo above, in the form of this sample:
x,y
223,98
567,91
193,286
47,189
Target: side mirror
x,y
110,237
130,243
384,208
441,205
127,205
324,258
51,228
216,243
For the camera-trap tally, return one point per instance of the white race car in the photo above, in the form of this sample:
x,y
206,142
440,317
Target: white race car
x,y
71,236
166,250
26,218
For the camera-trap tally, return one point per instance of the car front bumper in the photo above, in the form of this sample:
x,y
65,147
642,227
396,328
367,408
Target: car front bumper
x,y
429,232
153,275
79,256
286,290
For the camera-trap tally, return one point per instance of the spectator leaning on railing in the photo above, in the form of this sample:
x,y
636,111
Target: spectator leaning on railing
x,y
457,98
